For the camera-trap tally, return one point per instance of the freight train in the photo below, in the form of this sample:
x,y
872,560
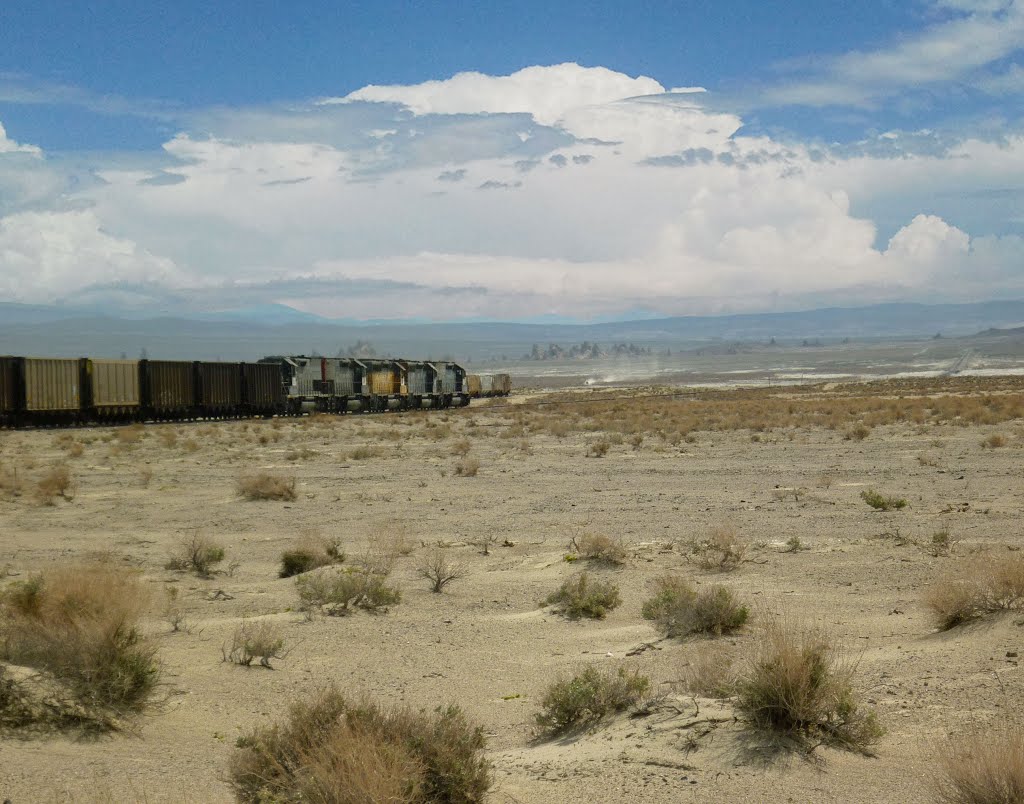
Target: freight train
x,y
61,391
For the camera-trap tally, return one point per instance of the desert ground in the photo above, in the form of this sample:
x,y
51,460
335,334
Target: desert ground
x,y
502,488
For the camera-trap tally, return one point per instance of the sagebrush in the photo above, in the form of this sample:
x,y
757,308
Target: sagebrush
x,y
588,696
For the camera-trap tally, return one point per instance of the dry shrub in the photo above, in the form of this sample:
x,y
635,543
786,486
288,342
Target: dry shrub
x,y
255,639
76,449
80,624
680,610
580,596
467,467
587,697
722,551
461,447
599,548
11,485
986,584
858,433
983,767
303,454
169,437
310,552
196,554
132,434
191,445
329,751
598,449
56,482
265,486
797,684
994,441
440,570
341,592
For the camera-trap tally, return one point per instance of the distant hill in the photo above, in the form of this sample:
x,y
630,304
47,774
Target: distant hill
x,y
275,329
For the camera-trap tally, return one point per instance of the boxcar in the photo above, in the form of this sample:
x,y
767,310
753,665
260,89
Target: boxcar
x,y
11,402
113,388
219,388
473,385
168,388
262,391
53,386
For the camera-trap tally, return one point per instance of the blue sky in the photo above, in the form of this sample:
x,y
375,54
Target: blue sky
x,y
511,161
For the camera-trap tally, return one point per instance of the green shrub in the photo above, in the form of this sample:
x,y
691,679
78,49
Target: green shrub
x,y
582,597
340,592
679,609
880,502
587,697
198,554
329,750
310,553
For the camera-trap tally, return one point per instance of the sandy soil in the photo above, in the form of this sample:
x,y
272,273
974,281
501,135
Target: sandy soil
x,y
485,643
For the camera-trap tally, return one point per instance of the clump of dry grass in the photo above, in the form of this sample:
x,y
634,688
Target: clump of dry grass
x,y
467,467
462,447
310,552
581,596
723,550
265,486
587,697
80,624
76,449
857,433
982,767
994,441
797,684
600,548
710,673
55,482
190,445
987,584
255,639
680,610
168,437
198,554
330,750
440,570
365,452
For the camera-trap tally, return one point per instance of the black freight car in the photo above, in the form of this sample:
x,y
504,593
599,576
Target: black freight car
x,y
219,388
262,389
168,389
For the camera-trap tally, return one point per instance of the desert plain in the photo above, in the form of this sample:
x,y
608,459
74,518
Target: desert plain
x,y
502,488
